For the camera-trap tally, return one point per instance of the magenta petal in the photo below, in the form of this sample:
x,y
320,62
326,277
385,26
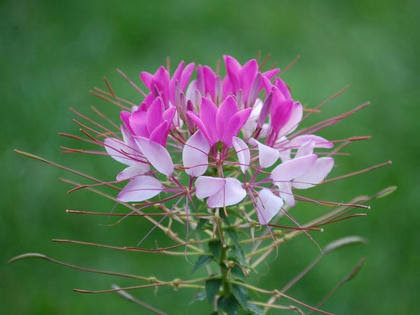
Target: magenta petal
x,y
294,119
226,110
160,134
283,88
154,114
197,121
291,169
178,71
206,186
157,155
147,79
268,205
209,81
280,111
208,112
247,76
231,194
195,155
242,150
233,67
140,188
186,76
138,123
169,114
133,171
271,73
234,125
316,174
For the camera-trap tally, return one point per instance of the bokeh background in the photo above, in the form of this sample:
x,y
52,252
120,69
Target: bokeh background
x,y
53,52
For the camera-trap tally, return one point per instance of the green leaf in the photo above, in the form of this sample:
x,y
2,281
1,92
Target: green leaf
x,y
212,287
241,295
254,309
201,223
237,272
237,249
201,261
200,296
215,247
228,304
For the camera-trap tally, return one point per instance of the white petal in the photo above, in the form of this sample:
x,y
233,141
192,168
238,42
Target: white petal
x,y
195,155
232,194
133,171
305,149
140,188
243,153
316,174
319,142
268,205
285,191
267,155
249,127
291,169
206,186
157,155
120,151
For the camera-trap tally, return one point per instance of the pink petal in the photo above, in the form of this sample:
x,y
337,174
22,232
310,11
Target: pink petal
x,y
243,153
319,142
268,205
140,188
121,152
267,155
197,121
294,120
233,67
209,81
316,174
147,79
280,111
133,171
138,123
291,169
285,191
226,110
271,73
186,76
208,112
169,114
157,155
195,155
284,89
154,114
234,125
232,194
160,133
206,186
247,76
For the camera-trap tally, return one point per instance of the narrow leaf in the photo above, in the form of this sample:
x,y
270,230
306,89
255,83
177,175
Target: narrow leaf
x,y
201,261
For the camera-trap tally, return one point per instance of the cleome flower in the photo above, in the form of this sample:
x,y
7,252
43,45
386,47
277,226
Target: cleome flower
x,y
219,139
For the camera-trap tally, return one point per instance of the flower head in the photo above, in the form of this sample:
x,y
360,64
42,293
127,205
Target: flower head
x,y
235,134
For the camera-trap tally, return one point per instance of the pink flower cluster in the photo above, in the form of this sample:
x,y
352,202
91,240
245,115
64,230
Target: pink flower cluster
x,y
232,135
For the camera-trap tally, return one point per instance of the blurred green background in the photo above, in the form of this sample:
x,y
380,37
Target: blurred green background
x,y
53,52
